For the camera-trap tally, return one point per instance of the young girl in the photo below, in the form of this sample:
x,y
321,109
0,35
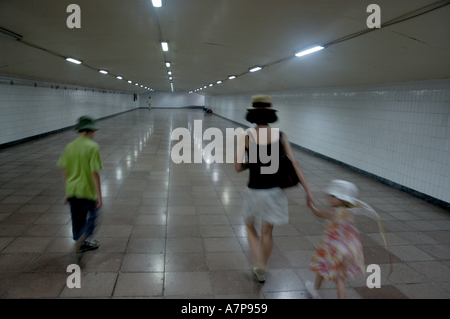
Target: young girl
x,y
339,255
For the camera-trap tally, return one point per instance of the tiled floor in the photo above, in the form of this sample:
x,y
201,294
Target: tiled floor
x,y
176,231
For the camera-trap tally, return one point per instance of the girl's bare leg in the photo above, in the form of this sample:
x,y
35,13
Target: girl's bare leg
x,y
318,282
340,284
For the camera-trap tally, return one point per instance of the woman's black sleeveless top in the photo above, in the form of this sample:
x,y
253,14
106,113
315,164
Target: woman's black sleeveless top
x,y
258,180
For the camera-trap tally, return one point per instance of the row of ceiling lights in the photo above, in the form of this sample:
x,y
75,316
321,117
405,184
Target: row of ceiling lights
x,y
119,77
165,46
13,36
300,53
314,48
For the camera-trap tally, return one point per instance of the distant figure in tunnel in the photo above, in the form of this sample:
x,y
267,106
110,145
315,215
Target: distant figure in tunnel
x,y
80,164
149,102
263,198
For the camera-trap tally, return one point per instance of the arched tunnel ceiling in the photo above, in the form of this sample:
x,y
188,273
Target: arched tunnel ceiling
x,y
210,40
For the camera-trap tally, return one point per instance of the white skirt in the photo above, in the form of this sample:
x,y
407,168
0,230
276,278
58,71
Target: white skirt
x,y
270,205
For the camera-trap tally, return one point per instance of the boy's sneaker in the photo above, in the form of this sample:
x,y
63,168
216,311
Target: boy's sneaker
x,y
312,291
88,246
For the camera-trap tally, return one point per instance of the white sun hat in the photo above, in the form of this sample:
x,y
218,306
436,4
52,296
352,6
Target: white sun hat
x,y
343,190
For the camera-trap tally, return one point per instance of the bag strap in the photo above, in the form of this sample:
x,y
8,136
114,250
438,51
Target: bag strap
x,y
283,153
364,209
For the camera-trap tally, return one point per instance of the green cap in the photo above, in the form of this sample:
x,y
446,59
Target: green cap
x,y
86,123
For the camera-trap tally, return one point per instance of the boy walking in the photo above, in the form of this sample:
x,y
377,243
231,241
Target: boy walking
x,y
80,164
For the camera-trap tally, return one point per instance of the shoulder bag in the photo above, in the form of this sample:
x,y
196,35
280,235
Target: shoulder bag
x,y
286,175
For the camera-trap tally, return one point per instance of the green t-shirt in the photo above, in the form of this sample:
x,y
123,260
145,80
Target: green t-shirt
x,y
80,159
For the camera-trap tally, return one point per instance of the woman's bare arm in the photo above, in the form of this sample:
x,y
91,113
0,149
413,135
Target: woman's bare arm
x,y
298,170
327,214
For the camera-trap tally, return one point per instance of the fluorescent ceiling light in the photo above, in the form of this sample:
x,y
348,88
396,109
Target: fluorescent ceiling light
x,y
211,84
157,3
219,82
231,77
103,72
168,64
10,35
165,46
308,51
255,69
119,77
73,61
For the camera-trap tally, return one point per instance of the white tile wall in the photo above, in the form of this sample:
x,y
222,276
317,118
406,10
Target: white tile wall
x,y
400,132
27,111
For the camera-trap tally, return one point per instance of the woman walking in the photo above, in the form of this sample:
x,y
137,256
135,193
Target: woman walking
x,y
263,198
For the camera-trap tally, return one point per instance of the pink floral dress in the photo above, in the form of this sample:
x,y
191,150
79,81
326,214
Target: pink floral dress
x,y
340,252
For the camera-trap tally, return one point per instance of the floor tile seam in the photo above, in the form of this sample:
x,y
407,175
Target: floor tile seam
x,y
125,251
410,295
25,230
411,245
205,252
28,202
432,255
18,190
166,214
12,286
26,271
395,284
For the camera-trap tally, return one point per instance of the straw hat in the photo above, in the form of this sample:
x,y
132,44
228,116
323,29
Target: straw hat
x,y
343,190
86,123
261,102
